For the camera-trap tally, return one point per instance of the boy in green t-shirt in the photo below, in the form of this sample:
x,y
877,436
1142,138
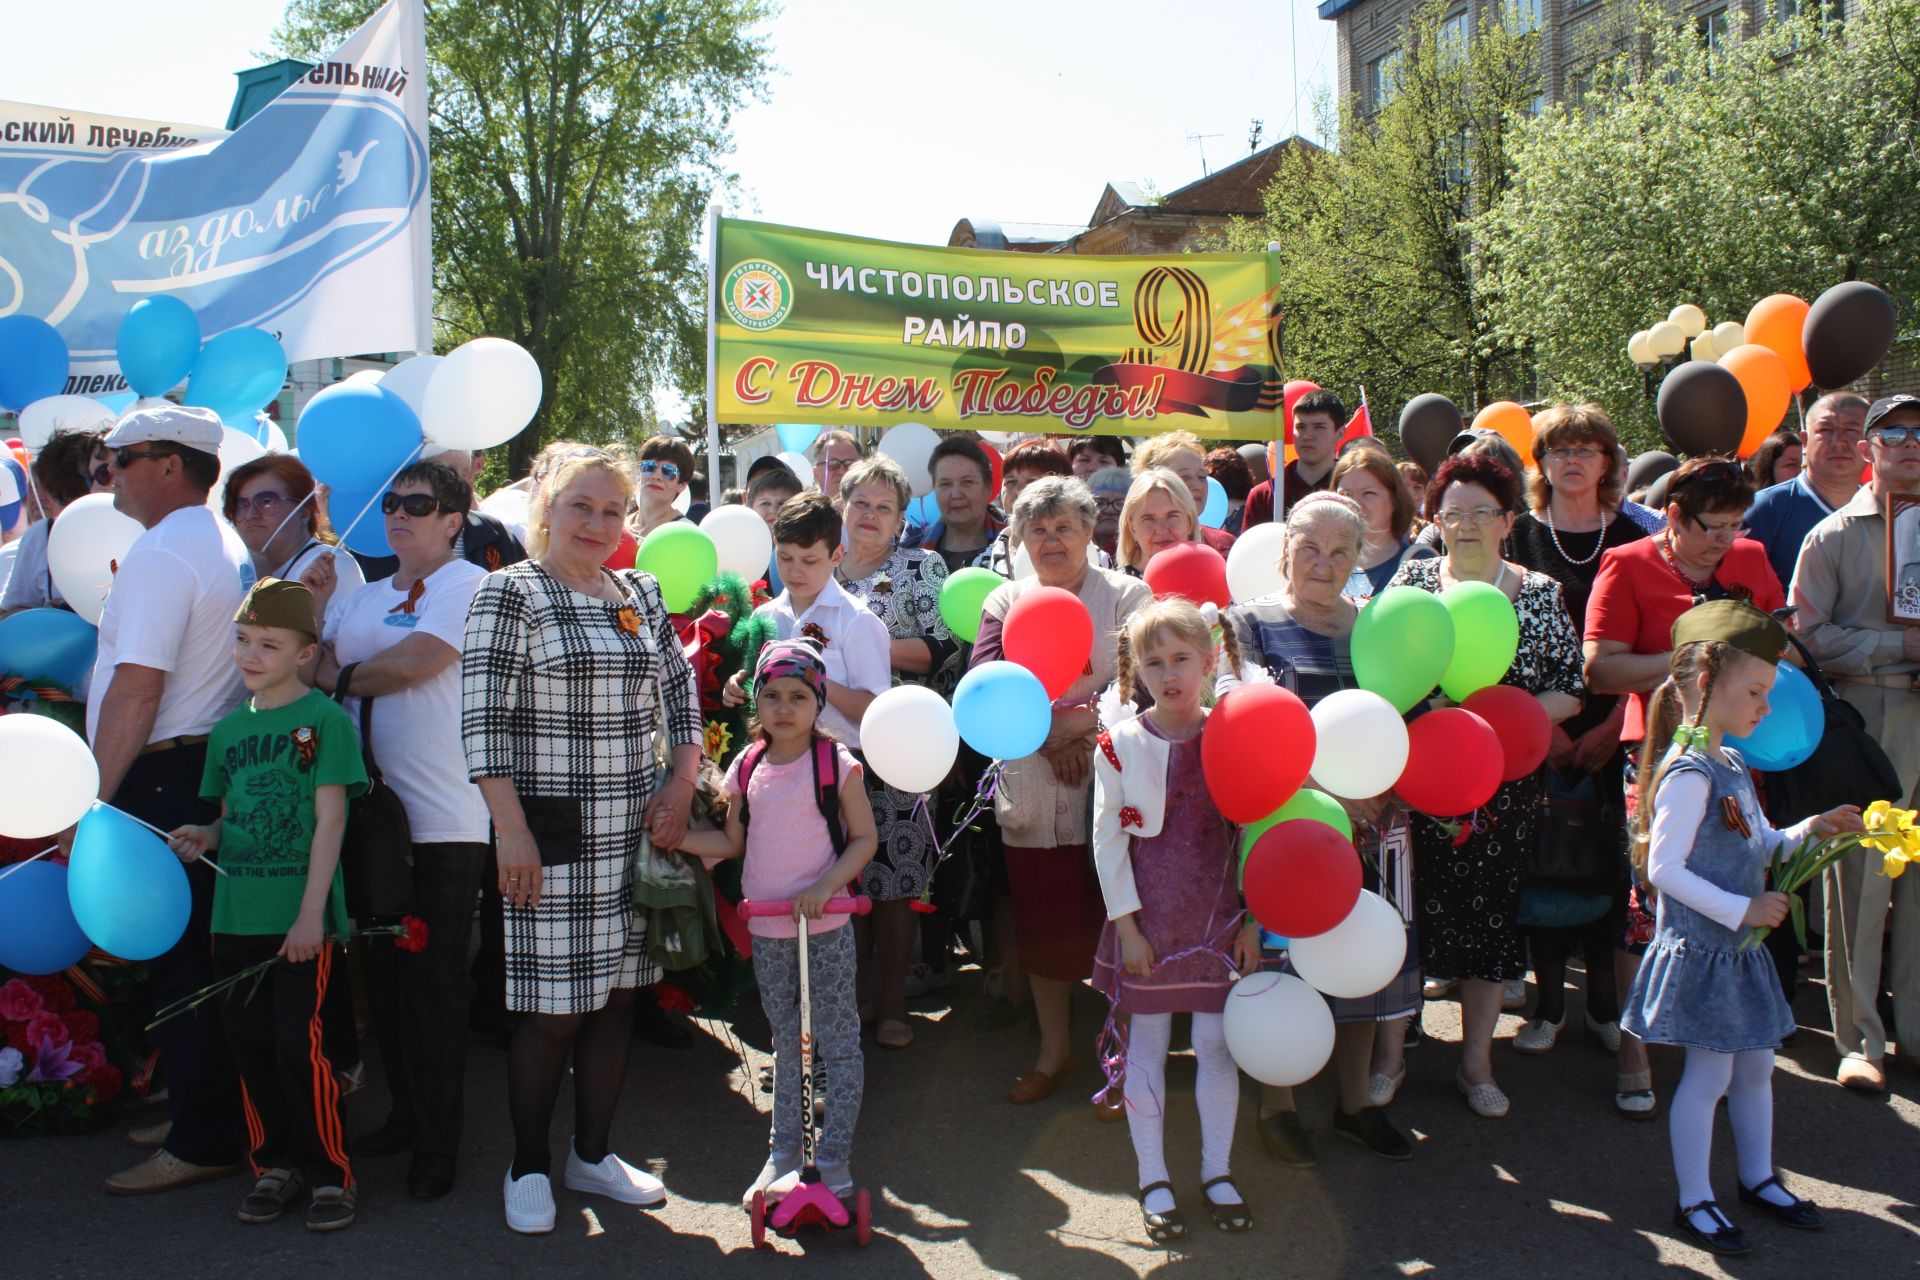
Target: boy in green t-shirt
x,y
283,766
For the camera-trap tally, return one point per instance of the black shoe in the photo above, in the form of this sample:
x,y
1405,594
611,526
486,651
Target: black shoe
x,y
430,1176
1287,1140
1370,1128
1228,1215
1803,1214
1727,1239
1161,1227
389,1139
658,1027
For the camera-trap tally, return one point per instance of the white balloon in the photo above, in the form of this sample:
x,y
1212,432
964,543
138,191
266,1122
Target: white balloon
x,y
508,505
409,380
40,420
237,448
483,394
801,468
742,538
276,441
48,778
88,540
10,488
1360,744
144,402
1253,562
684,503
1279,1029
911,445
1356,957
365,375
909,738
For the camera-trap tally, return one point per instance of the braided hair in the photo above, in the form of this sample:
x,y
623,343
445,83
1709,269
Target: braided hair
x,y
1669,723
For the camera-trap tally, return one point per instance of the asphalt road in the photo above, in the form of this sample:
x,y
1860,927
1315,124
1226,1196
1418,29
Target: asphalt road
x,y
966,1185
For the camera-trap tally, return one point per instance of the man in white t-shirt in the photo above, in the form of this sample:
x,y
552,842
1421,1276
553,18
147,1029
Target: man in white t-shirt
x,y
165,673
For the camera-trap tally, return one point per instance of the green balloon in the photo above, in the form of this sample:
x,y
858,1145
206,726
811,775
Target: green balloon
x,y
962,597
1402,643
1486,637
1316,806
682,559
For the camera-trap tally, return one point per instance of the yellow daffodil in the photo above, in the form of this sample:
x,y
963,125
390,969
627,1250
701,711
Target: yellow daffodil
x,y
1893,864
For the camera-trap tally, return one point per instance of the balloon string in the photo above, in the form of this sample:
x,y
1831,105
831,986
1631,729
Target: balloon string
x,y
1110,1046
157,831
24,861
290,515
374,500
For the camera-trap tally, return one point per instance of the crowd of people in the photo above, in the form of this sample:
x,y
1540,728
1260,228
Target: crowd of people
x,y
537,718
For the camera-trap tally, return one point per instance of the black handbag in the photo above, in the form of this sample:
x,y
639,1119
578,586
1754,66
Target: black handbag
x,y
1582,840
1849,767
376,855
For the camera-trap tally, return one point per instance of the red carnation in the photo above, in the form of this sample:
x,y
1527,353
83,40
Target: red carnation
x,y
82,1025
17,1037
415,939
106,1081
18,1001
672,999
54,990
923,906
91,1056
47,1027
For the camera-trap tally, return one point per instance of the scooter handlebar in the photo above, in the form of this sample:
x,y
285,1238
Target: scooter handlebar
x,y
784,907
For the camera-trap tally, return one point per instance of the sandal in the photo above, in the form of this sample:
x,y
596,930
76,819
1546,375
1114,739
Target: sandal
x,y
893,1034
1725,1238
1803,1214
1231,1215
1162,1227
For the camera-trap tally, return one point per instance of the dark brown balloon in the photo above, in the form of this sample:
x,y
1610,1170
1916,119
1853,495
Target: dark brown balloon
x,y
1847,331
1427,426
1702,409
1648,467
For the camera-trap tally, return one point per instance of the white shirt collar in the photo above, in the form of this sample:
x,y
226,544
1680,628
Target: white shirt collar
x,y
829,600
1806,487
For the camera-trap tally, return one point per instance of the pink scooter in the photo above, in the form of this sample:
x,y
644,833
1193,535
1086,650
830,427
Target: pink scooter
x,y
810,1203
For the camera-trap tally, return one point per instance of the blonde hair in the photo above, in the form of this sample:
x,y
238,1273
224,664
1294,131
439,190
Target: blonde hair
x,y
1667,710
1173,618
1156,451
563,473
1153,480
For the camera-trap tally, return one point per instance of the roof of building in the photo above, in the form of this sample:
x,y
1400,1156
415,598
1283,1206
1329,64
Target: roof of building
x,y
1331,9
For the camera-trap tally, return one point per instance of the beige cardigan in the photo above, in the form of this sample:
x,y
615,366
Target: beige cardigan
x,y
1034,810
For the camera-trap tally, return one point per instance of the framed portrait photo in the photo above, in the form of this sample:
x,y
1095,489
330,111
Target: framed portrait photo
x,y
1903,559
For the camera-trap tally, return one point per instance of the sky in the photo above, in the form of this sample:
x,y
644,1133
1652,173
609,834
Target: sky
x,y
888,118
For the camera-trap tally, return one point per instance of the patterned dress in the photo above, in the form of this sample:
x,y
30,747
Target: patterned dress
x,y
1470,881
562,693
904,593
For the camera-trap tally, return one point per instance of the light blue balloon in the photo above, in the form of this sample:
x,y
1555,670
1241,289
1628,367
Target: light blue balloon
x,y
369,535
1002,710
33,361
158,344
1214,514
237,373
119,401
38,933
795,438
923,511
127,889
354,436
1793,728
48,644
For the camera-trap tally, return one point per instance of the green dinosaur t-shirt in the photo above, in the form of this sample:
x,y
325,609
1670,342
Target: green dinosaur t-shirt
x,y
265,765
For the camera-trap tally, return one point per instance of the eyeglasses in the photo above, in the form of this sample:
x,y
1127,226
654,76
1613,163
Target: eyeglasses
x,y
126,457
261,502
417,505
1894,437
1575,453
1112,506
1459,519
1734,527
653,466
101,475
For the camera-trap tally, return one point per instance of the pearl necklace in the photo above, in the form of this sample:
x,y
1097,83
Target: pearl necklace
x,y
1598,543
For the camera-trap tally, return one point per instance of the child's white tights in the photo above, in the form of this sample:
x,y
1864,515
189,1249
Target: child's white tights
x,y
1216,1090
1746,1080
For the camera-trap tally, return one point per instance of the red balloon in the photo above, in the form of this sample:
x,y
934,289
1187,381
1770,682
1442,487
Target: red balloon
x,y
1050,633
1289,394
16,443
623,553
1302,878
1193,571
1256,750
994,461
1454,763
1521,724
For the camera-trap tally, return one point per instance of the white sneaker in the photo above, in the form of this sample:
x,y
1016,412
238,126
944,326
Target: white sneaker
x,y
529,1203
775,1179
615,1179
1539,1035
1435,988
923,977
1513,996
1609,1033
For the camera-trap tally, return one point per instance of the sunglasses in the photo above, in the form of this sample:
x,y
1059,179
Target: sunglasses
x,y
126,457
261,502
669,470
417,505
1894,437
101,475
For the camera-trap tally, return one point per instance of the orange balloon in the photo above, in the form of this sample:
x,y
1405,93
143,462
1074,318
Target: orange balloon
x,y
1775,323
1514,424
1762,374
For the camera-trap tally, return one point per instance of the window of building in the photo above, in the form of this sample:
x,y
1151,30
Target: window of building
x,y
1383,79
1715,30
1537,106
1524,16
1827,11
1454,31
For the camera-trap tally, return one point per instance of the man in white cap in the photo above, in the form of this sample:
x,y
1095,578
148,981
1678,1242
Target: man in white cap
x,y
164,675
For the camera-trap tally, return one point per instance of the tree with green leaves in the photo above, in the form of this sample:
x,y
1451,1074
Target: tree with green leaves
x,y
1783,160
575,147
1378,271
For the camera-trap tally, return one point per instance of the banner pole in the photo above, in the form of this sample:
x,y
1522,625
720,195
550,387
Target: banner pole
x,y
1279,464
714,483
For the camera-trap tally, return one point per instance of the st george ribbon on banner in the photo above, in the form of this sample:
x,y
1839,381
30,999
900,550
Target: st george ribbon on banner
x,y
810,326
310,221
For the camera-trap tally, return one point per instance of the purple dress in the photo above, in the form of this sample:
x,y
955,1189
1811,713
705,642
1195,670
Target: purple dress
x,y
1186,880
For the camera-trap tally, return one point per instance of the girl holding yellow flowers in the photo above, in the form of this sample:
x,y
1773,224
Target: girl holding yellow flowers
x,y
1702,842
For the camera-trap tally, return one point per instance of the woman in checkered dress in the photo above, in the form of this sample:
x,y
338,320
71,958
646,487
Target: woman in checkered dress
x,y
568,673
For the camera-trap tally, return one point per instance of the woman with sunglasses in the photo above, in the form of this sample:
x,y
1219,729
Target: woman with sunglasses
x,y
664,468
398,642
271,504
1639,592
1469,889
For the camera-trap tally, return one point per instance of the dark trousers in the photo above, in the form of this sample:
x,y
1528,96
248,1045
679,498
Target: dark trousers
x,y
203,1090
291,1096
419,1009
488,1013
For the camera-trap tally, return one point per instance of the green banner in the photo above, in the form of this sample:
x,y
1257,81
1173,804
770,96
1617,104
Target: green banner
x,y
814,327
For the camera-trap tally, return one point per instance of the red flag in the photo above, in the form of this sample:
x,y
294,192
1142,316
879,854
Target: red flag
x,y
1359,425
